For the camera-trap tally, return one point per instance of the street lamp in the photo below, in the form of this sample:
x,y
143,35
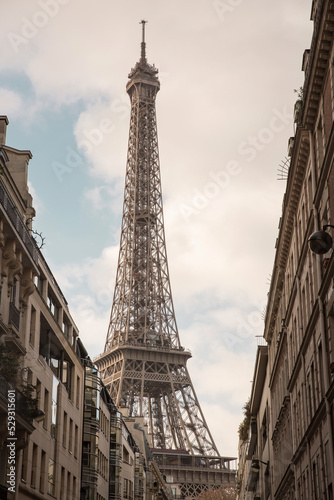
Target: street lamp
x,y
255,466
321,242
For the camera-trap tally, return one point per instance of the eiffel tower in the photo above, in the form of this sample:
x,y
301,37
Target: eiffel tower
x,y
144,364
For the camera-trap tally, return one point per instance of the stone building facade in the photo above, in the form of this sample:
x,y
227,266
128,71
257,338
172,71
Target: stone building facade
x,y
40,338
290,444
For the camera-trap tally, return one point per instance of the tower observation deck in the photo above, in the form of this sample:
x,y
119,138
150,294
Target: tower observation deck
x,y
143,364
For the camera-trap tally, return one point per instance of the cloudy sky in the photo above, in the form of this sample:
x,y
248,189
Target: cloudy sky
x,y
228,70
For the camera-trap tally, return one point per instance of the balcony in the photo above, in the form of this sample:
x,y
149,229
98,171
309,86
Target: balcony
x,y
27,241
24,414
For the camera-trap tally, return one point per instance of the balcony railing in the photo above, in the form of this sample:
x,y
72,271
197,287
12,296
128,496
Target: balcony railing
x,y
19,225
22,406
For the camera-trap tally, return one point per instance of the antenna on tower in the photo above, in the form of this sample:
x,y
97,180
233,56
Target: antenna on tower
x,y
143,44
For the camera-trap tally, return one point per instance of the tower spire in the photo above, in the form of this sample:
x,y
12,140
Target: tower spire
x,y
142,69
143,43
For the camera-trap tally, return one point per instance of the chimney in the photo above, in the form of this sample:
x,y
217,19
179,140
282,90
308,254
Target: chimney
x,y
3,127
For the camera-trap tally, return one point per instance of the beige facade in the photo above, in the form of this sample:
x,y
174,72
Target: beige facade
x,y
294,406
37,329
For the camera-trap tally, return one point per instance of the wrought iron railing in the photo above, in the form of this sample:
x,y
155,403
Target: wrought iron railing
x,y
22,407
18,223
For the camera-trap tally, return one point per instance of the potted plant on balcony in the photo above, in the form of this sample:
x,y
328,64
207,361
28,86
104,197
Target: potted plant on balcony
x,y
11,374
244,426
298,108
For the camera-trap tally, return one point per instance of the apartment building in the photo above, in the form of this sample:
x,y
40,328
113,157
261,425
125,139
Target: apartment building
x,y
290,444
116,460
40,338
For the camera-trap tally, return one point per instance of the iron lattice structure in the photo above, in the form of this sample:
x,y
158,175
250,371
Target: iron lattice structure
x,y
144,364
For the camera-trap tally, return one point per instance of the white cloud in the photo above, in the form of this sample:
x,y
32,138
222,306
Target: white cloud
x,y
11,102
91,271
106,197
99,131
212,250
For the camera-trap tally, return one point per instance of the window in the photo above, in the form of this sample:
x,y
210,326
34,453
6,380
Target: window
x,y
69,485
78,392
46,408
34,467
309,394
51,477
24,464
313,388
32,332
54,406
329,472
296,414
76,441
74,492
70,441
51,302
86,453
74,338
310,191
65,329
43,471
40,283
14,294
127,489
63,483
126,455
14,313
66,376
316,482
321,370
54,365
320,143
304,310
300,418
65,429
